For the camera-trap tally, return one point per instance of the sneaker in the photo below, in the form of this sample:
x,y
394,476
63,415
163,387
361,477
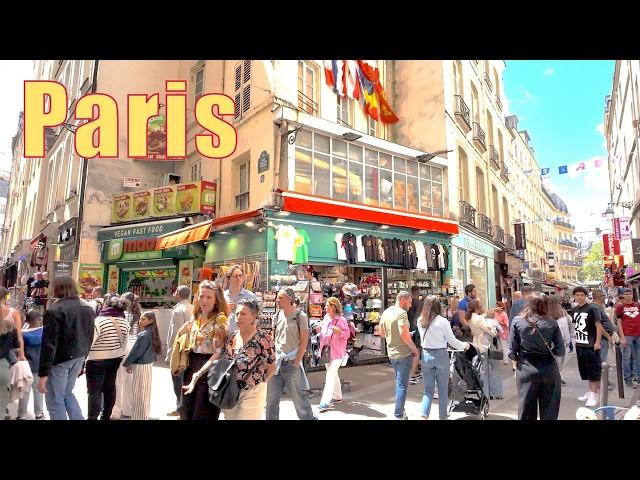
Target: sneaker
x,y
21,418
585,397
335,400
175,413
403,417
323,407
592,401
41,416
435,395
414,380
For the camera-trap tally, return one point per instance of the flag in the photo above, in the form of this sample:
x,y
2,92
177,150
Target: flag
x,y
371,75
544,171
329,78
598,162
580,166
563,169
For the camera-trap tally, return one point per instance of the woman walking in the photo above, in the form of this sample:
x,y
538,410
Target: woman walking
x,y
503,320
535,342
139,362
334,333
124,388
435,334
483,333
564,320
32,337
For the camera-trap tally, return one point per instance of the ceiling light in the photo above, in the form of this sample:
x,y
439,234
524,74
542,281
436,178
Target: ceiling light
x,y
339,220
421,231
250,224
383,227
282,213
224,232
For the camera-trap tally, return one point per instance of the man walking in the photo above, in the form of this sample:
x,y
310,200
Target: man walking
x,y
291,336
470,293
181,313
609,335
235,293
628,313
412,314
588,329
394,325
518,305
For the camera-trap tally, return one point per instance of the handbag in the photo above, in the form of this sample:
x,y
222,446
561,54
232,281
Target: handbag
x,y
325,354
223,383
495,353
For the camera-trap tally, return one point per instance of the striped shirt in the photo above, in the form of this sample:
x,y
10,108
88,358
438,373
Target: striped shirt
x,y
107,343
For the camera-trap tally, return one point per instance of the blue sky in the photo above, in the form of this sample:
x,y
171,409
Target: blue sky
x,y
561,104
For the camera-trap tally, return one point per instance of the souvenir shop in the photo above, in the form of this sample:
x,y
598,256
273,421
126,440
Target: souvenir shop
x,y
363,263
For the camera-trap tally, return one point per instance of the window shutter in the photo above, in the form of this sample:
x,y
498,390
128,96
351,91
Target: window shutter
x,y
247,71
237,106
238,77
246,98
242,88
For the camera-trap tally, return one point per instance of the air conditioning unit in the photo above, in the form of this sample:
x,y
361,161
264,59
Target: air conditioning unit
x,y
171,178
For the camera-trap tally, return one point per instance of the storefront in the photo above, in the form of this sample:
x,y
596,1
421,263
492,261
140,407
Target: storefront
x,y
132,263
323,248
474,263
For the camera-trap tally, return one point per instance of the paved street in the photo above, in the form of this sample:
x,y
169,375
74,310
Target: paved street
x,y
371,395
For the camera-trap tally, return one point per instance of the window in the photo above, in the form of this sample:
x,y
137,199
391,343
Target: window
x,y
496,206
337,169
198,80
462,175
480,196
242,200
344,110
242,88
458,78
195,172
474,104
372,126
490,129
307,88
505,210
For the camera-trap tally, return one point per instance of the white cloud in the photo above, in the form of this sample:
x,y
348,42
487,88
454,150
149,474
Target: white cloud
x,y
600,129
528,97
548,72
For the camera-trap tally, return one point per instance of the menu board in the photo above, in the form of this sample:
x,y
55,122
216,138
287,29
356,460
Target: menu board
x,y
141,205
164,201
121,208
188,198
89,277
112,285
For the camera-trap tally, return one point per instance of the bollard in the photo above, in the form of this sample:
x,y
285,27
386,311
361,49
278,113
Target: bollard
x,y
604,390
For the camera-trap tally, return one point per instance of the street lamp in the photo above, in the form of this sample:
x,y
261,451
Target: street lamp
x,y
609,213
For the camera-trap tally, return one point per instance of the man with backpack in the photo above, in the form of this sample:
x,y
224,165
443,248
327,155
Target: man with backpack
x,y
291,336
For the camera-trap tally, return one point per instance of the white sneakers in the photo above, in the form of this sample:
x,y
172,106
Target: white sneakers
x,y
585,397
592,401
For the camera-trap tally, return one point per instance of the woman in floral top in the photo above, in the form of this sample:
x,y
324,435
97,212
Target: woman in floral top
x,y
255,359
209,331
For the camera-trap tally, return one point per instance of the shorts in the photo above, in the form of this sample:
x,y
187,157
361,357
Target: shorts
x,y
589,363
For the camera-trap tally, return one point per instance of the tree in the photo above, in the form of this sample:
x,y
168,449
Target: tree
x,y
592,265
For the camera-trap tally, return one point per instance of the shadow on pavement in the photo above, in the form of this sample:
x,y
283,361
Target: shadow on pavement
x,y
358,408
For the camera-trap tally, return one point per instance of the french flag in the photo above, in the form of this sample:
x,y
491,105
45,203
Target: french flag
x,y
344,77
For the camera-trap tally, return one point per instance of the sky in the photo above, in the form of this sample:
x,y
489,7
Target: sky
x,y
561,105
12,74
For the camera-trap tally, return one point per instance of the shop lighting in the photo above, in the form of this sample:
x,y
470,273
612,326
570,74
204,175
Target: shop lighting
x,y
282,213
351,136
339,220
224,232
609,213
384,227
250,224
421,231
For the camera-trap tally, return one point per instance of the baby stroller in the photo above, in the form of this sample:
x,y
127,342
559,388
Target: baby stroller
x,y
465,387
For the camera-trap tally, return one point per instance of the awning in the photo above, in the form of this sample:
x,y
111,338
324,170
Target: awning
x,y
325,207
184,236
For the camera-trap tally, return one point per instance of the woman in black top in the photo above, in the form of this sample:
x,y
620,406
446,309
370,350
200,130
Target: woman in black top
x,y
535,338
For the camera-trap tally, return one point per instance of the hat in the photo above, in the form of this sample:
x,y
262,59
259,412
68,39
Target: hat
x,y
376,303
350,290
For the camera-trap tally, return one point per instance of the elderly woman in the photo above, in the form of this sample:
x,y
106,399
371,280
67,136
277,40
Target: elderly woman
x,y
255,358
334,333
535,342
105,356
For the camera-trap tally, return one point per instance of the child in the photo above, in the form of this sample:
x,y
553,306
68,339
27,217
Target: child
x,y
32,335
139,362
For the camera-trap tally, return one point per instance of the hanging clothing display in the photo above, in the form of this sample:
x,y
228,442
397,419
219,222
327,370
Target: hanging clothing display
x,y
350,249
301,246
286,237
341,253
422,260
360,246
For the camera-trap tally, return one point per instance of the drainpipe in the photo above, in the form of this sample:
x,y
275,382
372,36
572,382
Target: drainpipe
x,y
84,175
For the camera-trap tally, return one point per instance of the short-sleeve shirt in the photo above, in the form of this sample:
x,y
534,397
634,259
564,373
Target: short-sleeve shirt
x,y
287,331
630,314
254,360
209,337
301,246
585,318
286,236
392,320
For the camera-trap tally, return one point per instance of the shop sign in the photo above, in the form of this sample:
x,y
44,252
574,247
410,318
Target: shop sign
x,y
89,277
148,230
131,182
616,229
62,268
263,162
183,198
610,245
133,249
625,229
469,243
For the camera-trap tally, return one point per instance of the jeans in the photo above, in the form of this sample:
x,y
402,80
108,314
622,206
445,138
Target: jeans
x,y
38,399
101,387
402,367
332,389
177,388
632,348
292,378
435,371
5,380
59,397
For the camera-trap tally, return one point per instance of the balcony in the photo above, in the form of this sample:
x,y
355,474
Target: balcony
x,y
510,243
494,157
485,227
571,263
467,214
463,114
479,137
564,224
487,80
498,103
504,172
499,236
242,201
568,243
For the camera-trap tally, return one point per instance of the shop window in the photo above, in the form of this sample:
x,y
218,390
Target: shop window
x,y
425,197
355,182
321,175
303,171
477,270
399,191
339,178
413,194
371,157
372,195
386,189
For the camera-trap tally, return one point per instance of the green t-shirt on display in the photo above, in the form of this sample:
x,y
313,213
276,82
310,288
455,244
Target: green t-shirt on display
x,y
302,250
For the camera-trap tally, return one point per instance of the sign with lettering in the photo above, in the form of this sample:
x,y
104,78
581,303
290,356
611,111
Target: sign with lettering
x,y
135,182
263,162
62,268
141,230
474,245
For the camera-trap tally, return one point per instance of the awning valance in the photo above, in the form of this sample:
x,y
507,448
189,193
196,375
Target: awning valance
x,y
184,236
